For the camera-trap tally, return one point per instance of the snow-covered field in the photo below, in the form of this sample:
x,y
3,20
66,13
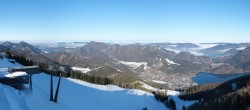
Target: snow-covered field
x,y
170,62
80,95
76,95
73,95
83,70
160,82
134,65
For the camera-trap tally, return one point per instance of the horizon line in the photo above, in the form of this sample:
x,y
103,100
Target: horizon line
x,y
114,41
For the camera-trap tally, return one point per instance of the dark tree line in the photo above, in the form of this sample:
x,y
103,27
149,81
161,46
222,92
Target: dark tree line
x,y
89,78
22,60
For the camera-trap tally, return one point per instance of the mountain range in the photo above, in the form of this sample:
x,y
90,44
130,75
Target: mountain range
x,y
154,61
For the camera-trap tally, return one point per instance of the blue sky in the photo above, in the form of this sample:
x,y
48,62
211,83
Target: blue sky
x,y
126,20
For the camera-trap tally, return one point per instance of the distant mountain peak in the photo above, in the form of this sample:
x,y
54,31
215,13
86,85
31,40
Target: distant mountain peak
x,y
7,43
24,43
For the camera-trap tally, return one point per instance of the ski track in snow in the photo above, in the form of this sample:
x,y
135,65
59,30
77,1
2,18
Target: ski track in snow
x,y
4,101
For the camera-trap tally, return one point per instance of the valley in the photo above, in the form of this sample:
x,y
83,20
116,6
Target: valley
x,y
148,67
146,62
124,55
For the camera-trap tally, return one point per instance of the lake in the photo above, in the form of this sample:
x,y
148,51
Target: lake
x,y
206,78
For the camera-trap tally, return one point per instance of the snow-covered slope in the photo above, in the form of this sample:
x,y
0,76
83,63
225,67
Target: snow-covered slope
x,y
134,65
171,62
73,95
83,70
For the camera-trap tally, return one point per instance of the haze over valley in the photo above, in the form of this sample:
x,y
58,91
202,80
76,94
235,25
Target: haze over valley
x,y
124,55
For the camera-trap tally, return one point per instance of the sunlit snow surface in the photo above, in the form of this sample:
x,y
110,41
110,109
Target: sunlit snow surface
x,y
73,95
15,74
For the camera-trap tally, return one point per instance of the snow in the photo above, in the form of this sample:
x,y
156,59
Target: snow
x,y
45,51
138,92
134,65
180,103
67,44
206,45
223,51
73,95
146,86
5,63
197,62
171,62
96,86
234,86
241,48
15,74
83,70
173,45
160,82
173,93
194,51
